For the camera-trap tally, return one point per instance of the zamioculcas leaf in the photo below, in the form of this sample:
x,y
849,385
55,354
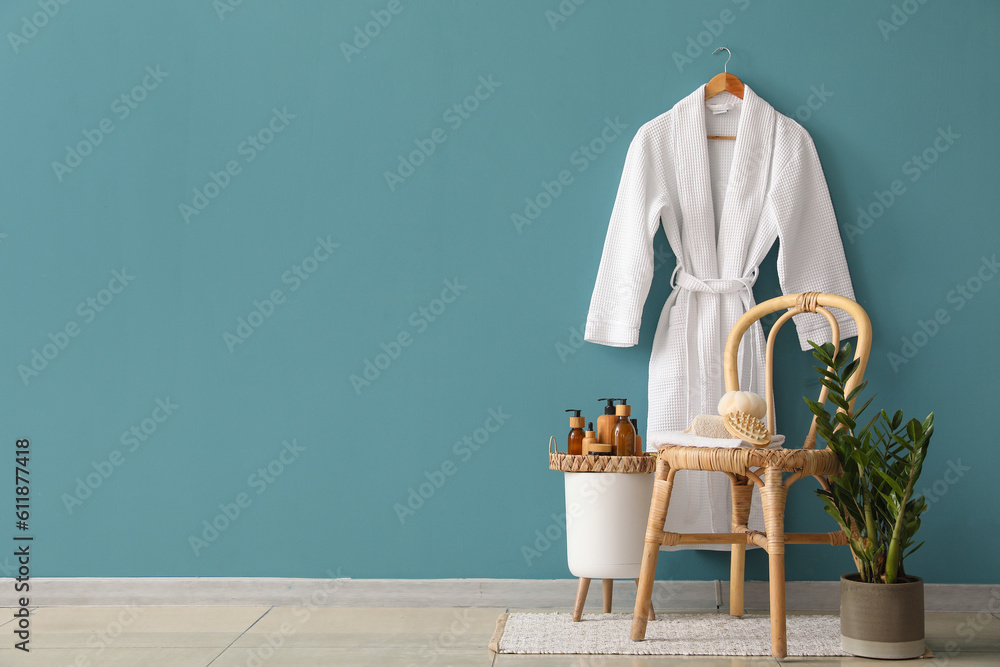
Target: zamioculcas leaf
x,y
871,499
858,412
857,390
839,401
844,419
826,372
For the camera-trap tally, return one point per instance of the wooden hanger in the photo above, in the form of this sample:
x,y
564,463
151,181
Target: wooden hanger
x,y
724,82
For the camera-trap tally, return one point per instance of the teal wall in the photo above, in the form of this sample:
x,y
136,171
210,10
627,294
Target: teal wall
x,y
152,407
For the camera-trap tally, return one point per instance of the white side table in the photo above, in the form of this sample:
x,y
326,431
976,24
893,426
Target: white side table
x,y
606,515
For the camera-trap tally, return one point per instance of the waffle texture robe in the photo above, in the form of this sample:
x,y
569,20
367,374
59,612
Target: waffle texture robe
x,y
722,205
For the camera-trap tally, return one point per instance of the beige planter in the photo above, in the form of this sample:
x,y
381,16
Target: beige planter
x,y
882,620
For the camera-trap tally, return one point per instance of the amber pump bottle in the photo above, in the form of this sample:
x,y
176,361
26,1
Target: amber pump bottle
x,y
576,433
606,422
623,437
639,451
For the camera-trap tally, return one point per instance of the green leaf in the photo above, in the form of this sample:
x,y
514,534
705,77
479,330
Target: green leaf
x,y
847,371
857,412
816,408
839,401
826,372
857,390
833,385
824,352
845,420
842,356
911,551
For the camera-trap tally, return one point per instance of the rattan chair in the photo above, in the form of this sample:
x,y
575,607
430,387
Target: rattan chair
x,y
745,467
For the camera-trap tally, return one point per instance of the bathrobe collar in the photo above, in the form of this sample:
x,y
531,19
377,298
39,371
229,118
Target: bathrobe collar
x,y
747,185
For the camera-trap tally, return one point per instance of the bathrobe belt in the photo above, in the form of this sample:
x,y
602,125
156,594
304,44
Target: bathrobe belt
x,y
742,286
683,279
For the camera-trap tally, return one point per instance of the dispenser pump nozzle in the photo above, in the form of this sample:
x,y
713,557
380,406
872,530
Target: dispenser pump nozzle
x,y
576,413
610,408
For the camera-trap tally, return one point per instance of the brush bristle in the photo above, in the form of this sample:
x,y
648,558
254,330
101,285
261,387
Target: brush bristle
x,y
747,427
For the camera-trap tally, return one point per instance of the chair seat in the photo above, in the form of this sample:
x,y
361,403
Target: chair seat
x,y
738,460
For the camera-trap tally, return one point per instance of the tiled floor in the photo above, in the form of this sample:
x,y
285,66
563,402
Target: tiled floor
x,y
293,636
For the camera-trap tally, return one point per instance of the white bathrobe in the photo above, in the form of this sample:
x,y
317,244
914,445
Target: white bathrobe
x,y
722,204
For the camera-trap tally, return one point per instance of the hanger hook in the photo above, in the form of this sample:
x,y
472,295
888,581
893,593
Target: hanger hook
x,y
725,68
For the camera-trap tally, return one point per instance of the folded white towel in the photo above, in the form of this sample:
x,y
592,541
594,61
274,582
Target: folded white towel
x,y
657,438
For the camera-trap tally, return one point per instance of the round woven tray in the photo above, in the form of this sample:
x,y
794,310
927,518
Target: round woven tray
x,y
594,463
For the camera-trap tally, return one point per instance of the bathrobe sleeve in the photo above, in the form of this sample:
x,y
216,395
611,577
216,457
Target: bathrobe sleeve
x,y
810,254
626,268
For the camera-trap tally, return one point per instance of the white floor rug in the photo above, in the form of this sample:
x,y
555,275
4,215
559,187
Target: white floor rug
x,y
670,634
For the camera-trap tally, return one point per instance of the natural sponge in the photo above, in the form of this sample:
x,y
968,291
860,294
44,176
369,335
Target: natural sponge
x,y
709,426
742,401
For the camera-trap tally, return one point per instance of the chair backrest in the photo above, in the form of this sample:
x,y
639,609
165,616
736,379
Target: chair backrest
x,y
806,302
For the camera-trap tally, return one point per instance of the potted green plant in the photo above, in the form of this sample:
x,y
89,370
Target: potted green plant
x,y
873,501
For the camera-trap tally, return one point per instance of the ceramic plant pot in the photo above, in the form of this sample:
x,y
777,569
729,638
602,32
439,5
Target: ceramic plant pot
x,y
882,620
606,515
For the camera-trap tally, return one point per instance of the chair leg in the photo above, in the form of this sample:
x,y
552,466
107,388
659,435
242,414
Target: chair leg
x,y
608,586
742,492
779,640
654,530
644,596
652,613
581,598
773,501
